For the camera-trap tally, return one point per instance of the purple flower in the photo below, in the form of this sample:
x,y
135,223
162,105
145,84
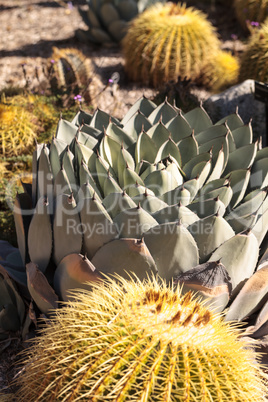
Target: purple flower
x,y
78,98
234,37
52,61
70,5
254,23
111,81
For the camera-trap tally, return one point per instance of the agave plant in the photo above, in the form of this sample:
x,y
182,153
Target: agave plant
x,y
108,20
158,192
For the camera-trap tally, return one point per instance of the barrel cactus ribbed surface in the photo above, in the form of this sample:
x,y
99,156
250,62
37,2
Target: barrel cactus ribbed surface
x,y
254,62
159,191
167,41
250,11
139,342
71,72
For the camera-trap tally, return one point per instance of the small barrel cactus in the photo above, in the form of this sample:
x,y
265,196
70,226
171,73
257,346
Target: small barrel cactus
x,y
168,41
221,71
71,72
17,128
250,12
254,62
130,341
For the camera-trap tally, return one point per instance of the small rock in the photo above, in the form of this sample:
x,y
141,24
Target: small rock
x,y
241,95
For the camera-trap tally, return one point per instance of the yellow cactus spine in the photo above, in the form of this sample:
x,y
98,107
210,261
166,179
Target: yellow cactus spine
x,y
133,341
168,41
254,62
17,128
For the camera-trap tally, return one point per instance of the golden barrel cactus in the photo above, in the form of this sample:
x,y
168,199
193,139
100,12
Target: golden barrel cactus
x,y
168,41
222,71
133,341
254,63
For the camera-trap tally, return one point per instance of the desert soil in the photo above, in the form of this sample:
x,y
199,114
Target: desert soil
x,y
29,29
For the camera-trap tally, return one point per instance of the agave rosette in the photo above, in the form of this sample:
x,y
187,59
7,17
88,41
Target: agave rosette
x,y
108,19
158,192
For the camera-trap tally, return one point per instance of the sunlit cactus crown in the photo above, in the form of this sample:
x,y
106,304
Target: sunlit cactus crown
x,y
108,19
159,191
249,12
167,41
130,341
254,62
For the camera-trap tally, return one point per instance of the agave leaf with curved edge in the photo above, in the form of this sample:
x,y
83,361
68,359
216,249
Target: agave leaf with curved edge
x,y
66,131
40,235
40,290
210,133
198,119
119,134
239,180
66,228
204,208
159,133
242,158
131,223
178,195
233,121
179,128
252,296
239,255
114,203
168,148
190,165
177,212
44,175
173,249
98,227
110,186
136,124
73,272
145,148
210,281
209,233
243,135
143,104
67,164
110,148
22,216
61,183
124,256
164,112
101,119
160,182
259,174
188,148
